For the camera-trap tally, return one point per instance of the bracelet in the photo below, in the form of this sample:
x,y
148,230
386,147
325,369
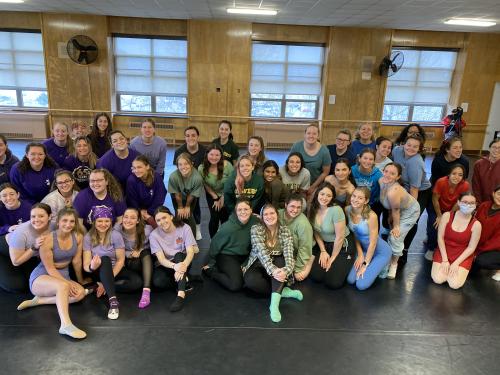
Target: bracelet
x,y
216,199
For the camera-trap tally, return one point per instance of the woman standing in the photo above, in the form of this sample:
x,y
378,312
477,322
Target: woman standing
x,y
404,212
445,195
7,160
255,149
82,162
185,185
342,181
230,247
275,191
230,150
449,154
316,157
50,282
373,252
145,189
19,253
271,262
13,211
244,184
174,245
99,136
215,171
60,145
104,256
154,148
335,248
138,260
410,129
62,194
34,174
365,138
458,235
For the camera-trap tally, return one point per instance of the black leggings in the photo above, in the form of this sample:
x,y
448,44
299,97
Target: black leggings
x,y
216,217
163,278
258,281
14,279
341,266
228,271
191,220
129,279
105,274
423,200
489,260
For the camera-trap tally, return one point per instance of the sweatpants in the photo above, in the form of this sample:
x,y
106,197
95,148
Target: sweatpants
x,y
227,271
258,281
163,278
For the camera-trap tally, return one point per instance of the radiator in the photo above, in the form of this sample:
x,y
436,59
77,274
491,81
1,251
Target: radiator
x,y
280,135
24,125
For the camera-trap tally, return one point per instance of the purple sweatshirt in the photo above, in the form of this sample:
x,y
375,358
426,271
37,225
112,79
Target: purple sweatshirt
x,y
140,196
56,152
10,160
33,185
120,168
13,217
86,201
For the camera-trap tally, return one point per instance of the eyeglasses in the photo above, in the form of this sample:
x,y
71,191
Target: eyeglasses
x,y
97,180
60,183
343,140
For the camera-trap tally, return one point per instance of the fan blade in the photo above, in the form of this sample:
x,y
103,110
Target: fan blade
x,y
77,45
394,68
83,56
91,48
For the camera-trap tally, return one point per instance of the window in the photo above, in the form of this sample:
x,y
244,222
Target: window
x,y
419,92
286,80
22,70
151,75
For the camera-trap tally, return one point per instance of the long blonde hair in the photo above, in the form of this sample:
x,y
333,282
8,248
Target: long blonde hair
x,y
92,157
69,142
94,235
240,181
365,212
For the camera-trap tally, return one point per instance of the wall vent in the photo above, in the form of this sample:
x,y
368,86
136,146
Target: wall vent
x,y
18,135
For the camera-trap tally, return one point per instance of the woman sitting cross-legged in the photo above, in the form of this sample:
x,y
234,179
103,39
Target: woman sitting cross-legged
x,y
458,235
335,248
373,252
270,264
230,247
174,245
50,281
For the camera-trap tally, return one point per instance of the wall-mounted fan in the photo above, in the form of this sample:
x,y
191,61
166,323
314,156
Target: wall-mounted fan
x,y
390,65
82,49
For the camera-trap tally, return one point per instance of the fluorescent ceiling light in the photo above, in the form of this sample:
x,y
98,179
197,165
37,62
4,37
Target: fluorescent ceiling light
x,y
258,11
12,1
469,22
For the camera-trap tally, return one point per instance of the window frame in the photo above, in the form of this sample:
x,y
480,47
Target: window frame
x,y
283,101
19,89
152,96
412,106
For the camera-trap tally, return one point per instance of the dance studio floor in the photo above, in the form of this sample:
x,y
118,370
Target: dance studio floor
x,y
403,326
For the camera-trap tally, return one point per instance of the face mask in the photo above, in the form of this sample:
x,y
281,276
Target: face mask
x,y
466,209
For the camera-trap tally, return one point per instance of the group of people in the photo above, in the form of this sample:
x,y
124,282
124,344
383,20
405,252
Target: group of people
x,y
84,212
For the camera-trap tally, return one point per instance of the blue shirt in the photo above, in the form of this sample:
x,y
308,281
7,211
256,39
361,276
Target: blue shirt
x,y
413,175
368,180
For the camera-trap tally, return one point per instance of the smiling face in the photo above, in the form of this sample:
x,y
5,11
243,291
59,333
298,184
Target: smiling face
x,y
243,212
496,198
366,132
3,148
455,150
342,171
97,182
367,161
82,148
164,221
147,129
342,141
293,208
102,224
245,168
10,198
36,157
254,147
390,174
358,199
130,219
60,132
102,124
270,216
495,150
191,138
65,183
139,169
39,218
66,223
412,130
214,156
119,142
456,175
311,136
294,164
270,174
411,147
384,148
325,196
224,131
184,166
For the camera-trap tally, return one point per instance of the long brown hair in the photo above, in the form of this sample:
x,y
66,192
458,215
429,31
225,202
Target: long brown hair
x,y
365,212
94,134
261,156
92,157
220,164
240,181
140,234
314,207
149,178
114,188
61,172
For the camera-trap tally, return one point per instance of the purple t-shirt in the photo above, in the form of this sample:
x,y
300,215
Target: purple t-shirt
x,y
119,168
140,196
79,169
56,152
33,185
13,217
171,243
105,250
85,202
130,244
24,237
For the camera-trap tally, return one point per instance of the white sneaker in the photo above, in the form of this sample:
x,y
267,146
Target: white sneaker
x,y
392,271
113,314
198,233
429,255
496,276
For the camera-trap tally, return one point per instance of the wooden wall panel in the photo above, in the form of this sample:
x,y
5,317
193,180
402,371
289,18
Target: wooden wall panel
x,y
176,134
432,39
147,26
219,75
72,86
20,20
356,99
290,33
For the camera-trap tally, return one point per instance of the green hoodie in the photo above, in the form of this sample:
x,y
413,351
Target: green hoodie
x,y
302,234
232,238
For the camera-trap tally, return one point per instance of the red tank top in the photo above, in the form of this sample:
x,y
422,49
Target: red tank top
x,y
456,243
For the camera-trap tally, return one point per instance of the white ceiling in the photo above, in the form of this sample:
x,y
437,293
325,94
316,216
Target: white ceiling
x,y
400,14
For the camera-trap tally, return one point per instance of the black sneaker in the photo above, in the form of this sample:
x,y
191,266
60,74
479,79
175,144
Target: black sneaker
x,y
177,305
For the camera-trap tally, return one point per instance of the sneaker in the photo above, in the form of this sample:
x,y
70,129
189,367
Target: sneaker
x,y
429,255
393,268
496,276
114,311
384,272
177,305
198,233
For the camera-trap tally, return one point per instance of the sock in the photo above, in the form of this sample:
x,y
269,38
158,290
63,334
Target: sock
x,y
28,303
292,293
113,303
72,331
274,307
145,298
